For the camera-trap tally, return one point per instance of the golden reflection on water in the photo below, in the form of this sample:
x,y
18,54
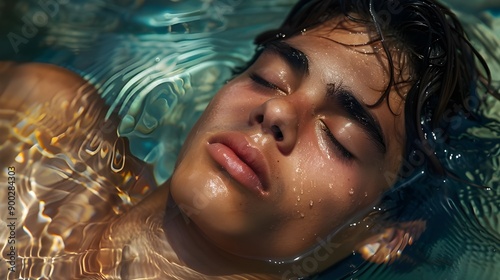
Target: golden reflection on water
x,y
73,175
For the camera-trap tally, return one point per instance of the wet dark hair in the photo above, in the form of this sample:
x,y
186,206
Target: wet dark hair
x,y
445,70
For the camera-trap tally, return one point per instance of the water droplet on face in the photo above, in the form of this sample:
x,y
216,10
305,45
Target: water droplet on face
x,y
311,203
301,191
276,262
312,186
298,198
351,191
302,215
366,194
330,186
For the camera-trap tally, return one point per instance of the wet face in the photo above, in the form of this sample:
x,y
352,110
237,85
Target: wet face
x,y
289,151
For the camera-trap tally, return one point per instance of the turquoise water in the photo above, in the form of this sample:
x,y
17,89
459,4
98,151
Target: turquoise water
x,y
157,63
138,56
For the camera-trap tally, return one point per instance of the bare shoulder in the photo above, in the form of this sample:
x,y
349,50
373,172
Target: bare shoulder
x,y
53,98
57,110
25,84
71,163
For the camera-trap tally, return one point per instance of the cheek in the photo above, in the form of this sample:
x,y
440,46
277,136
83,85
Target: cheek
x,y
204,197
231,105
328,188
226,108
313,164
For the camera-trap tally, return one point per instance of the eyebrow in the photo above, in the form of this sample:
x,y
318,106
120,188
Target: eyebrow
x,y
353,108
343,96
295,58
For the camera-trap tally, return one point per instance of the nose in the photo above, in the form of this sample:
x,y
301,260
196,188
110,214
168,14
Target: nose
x,y
279,118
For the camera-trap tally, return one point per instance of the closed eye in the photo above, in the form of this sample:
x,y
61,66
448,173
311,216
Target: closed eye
x,y
263,82
339,148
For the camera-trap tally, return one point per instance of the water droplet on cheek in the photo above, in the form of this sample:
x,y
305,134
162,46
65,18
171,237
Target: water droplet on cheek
x,y
298,198
366,194
302,215
351,191
311,203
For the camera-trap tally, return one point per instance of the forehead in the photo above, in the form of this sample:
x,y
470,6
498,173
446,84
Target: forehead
x,y
345,31
352,52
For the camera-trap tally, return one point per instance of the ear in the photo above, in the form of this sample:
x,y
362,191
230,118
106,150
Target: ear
x,y
387,245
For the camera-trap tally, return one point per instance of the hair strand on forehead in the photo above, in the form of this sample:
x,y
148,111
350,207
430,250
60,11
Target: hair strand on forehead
x,y
444,69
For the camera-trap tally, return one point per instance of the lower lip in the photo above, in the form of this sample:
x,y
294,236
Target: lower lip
x,y
238,170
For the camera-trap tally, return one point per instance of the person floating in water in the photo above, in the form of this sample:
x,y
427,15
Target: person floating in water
x,y
299,145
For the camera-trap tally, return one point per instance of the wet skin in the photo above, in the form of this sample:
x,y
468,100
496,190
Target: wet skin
x,y
283,155
280,159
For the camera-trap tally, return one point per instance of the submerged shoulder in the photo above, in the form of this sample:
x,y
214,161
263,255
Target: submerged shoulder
x,y
24,84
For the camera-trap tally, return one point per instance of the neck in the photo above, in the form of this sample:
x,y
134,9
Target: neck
x,y
157,224
194,250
